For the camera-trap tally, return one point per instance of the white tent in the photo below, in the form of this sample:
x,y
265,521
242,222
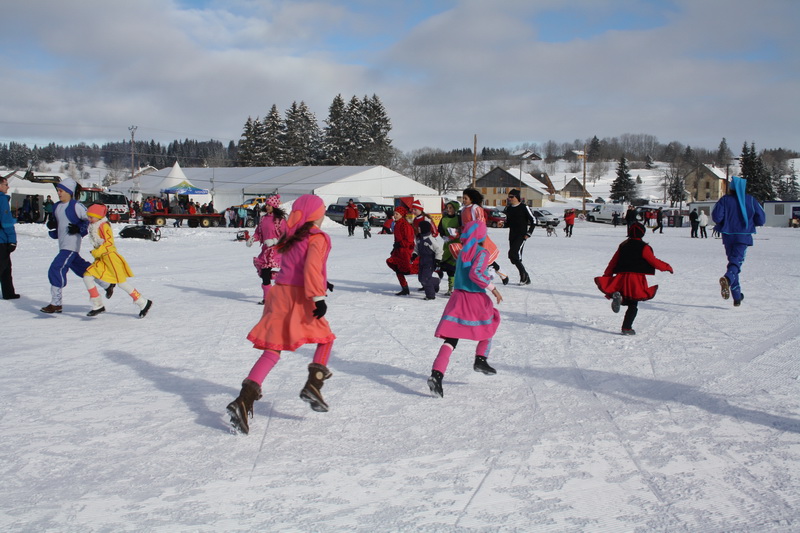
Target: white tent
x,y
233,185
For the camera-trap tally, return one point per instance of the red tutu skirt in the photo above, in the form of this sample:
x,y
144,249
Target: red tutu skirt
x,y
631,285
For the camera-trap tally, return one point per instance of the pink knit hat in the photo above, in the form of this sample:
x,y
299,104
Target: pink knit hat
x,y
274,201
307,208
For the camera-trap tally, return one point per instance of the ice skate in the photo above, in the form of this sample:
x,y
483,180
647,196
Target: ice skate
x,y
95,312
482,366
435,383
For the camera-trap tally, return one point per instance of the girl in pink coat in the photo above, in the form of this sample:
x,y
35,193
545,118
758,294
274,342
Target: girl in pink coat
x,y
270,229
294,311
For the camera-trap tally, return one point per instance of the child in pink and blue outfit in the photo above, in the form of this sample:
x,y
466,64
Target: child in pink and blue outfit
x,y
470,313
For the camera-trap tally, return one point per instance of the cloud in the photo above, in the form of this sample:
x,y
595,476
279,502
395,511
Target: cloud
x,y
683,70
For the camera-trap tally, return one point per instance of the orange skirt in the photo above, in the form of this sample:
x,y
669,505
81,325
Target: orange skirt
x,y
287,322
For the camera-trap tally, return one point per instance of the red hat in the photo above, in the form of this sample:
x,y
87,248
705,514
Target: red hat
x,y
401,209
417,205
97,211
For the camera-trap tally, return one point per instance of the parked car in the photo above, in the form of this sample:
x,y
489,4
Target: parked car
x,y
545,218
495,218
335,212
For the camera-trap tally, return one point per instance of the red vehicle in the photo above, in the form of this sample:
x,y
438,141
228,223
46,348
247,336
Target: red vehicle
x,y
495,218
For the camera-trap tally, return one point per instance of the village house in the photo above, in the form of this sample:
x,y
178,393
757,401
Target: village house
x,y
495,184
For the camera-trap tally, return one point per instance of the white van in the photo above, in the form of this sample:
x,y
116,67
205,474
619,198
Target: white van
x,y
605,212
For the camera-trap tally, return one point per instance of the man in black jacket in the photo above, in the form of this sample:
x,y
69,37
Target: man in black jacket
x,y
520,222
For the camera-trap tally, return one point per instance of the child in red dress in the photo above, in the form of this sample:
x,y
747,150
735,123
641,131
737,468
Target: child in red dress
x,y
624,281
294,311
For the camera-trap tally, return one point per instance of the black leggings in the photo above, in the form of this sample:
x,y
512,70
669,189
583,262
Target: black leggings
x,y
630,314
266,276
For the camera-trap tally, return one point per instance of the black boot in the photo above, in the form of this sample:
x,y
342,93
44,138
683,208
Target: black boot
x,y
435,383
482,366
317,374
404,291
242,407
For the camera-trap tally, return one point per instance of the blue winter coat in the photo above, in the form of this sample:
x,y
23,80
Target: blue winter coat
x,y
738,215
8,235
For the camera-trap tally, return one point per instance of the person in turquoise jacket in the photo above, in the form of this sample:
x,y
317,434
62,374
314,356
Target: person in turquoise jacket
x,y
8,242
736,216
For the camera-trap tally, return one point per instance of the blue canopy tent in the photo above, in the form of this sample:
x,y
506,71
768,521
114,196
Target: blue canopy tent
x,y
184,188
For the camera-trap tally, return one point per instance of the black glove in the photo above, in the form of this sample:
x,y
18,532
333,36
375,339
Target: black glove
x,y
52,223
11,247
321,309
436,264
330,286
73,229
413,256
395,246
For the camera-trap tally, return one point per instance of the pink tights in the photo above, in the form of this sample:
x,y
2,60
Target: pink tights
x,y
269,358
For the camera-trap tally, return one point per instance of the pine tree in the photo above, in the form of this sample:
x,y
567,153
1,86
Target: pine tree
x,y
724,154
335,138
302,135
355,132
595,149
378,150
246,144
274,138
623,188
759,181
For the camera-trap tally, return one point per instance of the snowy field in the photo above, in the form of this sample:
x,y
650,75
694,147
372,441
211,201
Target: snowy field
x,y
114,423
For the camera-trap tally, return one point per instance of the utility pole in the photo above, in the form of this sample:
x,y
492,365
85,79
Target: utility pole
x,y
583,194
474,159
132,129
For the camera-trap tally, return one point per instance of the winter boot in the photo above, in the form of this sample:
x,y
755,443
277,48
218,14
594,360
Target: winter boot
x,y
482,366
616,301
435,383
242,407
403,292
50,309
724,287
317,374
628,331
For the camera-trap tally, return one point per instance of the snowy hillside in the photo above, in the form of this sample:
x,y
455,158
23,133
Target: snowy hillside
x,y
114,423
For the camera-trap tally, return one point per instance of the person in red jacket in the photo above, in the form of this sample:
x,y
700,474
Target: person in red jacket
x,y
569,221
624,281
350,217
400,258
418,210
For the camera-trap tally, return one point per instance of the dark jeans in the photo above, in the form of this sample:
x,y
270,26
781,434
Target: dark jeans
x,y
6,281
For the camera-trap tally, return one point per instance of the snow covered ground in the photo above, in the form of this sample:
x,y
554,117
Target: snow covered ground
x,y
117,424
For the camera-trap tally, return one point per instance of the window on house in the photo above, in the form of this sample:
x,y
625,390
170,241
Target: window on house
x,y
779,209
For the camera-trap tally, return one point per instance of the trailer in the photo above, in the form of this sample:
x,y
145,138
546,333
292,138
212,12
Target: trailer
x,y
201,220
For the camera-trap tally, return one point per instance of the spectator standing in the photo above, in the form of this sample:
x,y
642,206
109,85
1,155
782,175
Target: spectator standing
x,y
702,221
48,209
569,222
350,217
694,221
8,242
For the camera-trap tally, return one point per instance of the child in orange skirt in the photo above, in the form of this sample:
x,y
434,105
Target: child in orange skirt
x,y
624,281
294,311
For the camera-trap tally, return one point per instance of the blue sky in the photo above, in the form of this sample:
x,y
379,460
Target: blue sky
x,y
510,71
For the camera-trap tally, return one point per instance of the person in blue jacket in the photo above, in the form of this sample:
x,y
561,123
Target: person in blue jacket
x,y
8,242
736,216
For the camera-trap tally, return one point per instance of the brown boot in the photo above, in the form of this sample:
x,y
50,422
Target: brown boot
x,y
317,374
242,407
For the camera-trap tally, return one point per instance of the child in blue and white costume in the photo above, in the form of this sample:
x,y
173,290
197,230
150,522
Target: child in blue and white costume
x,y
69,224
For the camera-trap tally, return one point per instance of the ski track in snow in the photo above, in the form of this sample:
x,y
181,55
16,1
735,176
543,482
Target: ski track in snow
x,y
119,424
